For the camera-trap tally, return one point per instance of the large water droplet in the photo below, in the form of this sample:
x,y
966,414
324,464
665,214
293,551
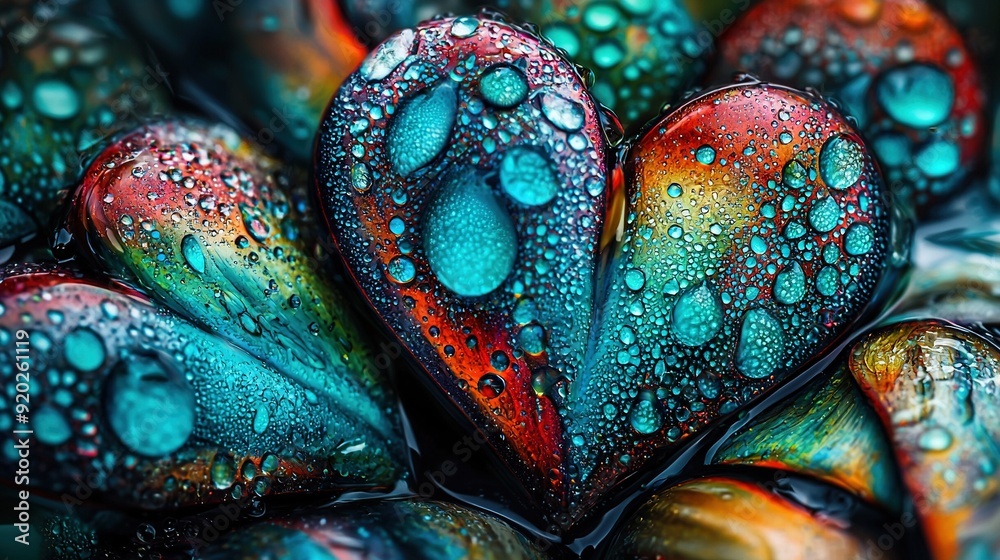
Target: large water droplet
x,y
916,95
645,416
825,214
56,99
761,346
491,385
503,86
388,56
149,406
422,128
50,426
193,255
566,114
401,270
841,162
527,177
790,284
84,349
938,158
859,239
469,238
696,317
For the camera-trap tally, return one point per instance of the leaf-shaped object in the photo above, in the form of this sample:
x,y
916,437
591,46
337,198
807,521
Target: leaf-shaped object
x,y
207,224
132,405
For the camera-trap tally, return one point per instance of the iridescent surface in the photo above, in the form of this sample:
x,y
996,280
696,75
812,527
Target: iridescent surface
x,y
828,431
898,66
207,224
387,530
643,53
935,387
721,519
273,63
63,86
155,413
755,232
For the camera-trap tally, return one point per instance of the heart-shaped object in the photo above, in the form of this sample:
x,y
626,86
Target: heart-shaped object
x,y
463,171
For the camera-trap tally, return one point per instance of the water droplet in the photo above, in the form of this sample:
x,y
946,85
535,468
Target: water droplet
x,y
223,471
674,190
149,407
841,162
696,317
859,239
401,270
491,385
794,175
938,158
916,95
601,17
705,155
361,177
527,177
464,27
935,439
469,238
635,279
84,349
193,255
261,418
503,86
790,285
531,339
565,114
761,346
826,281
50,426
825,214
422,128
387,56
56,99
644,415
499,360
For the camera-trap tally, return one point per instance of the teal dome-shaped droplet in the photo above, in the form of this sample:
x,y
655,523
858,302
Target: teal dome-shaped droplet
x,y
696,317
841,162
564,37
503,86
938,158
916,95
761,345
705,155
50,426
193,254
794,175
422,129
527,177
826,281
790,284
149,407
56,99
84,350
859,239
401,270
825,214
469,238
644,415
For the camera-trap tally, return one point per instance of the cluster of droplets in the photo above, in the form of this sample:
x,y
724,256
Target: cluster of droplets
x,y
913,91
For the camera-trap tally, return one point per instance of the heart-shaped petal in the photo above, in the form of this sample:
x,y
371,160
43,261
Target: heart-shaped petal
x,y
133,406
469,209
937,390
210,226
899,67
66,84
